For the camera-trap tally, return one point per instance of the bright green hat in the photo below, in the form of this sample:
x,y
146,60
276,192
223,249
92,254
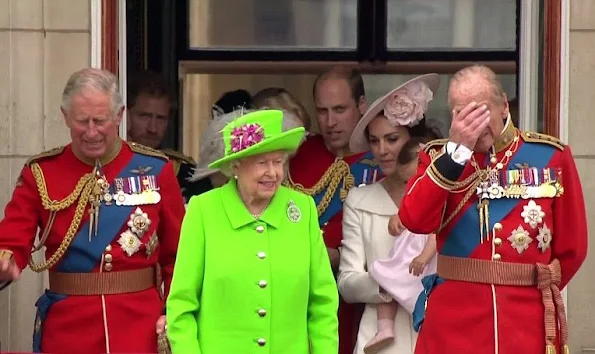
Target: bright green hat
x,y
258,133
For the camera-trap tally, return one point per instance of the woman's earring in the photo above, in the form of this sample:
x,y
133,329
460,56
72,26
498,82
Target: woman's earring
x,y
235,176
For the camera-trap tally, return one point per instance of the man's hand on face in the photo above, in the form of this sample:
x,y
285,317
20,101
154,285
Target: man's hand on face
x,y
469,124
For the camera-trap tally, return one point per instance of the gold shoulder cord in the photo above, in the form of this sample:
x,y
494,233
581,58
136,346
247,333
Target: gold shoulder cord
x,y
83,190
338,172
470,185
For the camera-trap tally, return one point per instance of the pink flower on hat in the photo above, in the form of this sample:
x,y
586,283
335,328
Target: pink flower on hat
x,y
408,105
245,136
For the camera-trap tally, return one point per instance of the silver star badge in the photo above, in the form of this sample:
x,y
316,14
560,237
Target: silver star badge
x,y
532,214
129,242
520,239
544,238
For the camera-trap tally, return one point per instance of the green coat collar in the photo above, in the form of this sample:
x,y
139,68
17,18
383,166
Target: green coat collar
x,y
238,214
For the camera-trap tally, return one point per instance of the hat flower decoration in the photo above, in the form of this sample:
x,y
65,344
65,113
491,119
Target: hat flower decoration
x,y
257,133
245,136
406,106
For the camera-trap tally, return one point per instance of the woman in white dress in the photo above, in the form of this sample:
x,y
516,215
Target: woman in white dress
x,y
386,127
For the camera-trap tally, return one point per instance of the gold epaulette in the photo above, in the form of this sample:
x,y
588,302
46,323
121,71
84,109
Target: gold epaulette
x,y
176,155
433,147
532,137
434,144
45,155
145,150
5,255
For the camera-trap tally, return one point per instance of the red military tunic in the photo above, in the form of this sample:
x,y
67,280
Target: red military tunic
x,y
468,317
95,323
307,168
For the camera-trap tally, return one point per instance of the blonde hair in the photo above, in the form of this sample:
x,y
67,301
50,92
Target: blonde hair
x,y
280,98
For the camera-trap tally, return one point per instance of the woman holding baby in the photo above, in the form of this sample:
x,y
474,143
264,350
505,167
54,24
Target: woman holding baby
x,y
382,271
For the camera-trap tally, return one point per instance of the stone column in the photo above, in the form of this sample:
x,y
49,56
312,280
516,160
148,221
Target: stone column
x,y
41,44
581,309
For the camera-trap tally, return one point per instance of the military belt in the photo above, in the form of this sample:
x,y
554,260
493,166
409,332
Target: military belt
x,y
108,283
546,277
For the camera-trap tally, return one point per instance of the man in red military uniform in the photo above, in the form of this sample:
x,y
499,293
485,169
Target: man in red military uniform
x,y
511,229
109,215
325,169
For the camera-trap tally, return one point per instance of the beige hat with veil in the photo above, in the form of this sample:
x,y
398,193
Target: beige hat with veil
x,y
211,146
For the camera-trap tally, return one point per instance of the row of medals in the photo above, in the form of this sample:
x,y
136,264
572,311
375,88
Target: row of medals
x,y
130,240
101,192
493,188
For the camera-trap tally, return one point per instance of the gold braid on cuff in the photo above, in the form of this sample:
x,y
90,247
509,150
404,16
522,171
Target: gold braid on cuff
x,y
5,255
437,177
163,345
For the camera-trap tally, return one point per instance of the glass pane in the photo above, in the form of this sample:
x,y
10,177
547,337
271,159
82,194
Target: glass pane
x,y
202,90
452,24
273,24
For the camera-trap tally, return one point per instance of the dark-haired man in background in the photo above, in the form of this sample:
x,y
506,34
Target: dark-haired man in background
x,y
150,102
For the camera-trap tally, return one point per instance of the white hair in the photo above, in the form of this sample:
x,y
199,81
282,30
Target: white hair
x,y
96,79
227,169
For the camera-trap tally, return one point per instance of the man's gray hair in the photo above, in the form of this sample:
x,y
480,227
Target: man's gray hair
x,y
474,72
96,79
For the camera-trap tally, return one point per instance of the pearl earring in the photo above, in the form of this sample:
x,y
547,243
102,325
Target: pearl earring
x,y
235,176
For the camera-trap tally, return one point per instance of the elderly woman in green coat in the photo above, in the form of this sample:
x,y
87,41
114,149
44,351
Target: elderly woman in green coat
x,y
252,274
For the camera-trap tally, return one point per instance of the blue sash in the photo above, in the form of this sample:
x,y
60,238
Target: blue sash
x,y
359,170
82,256
43,305
463,238
419,311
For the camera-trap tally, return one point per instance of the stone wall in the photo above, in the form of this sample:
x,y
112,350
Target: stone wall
x,y
581,309
41,44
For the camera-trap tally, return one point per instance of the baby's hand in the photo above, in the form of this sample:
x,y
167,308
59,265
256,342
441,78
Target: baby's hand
x,y
395,227
417,265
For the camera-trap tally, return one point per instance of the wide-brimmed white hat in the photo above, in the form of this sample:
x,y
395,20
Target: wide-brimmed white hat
x,y
405,110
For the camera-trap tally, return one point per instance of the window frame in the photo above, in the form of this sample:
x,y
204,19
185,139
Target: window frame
x,y
110,31
380,37
371,44
551,72
552,51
